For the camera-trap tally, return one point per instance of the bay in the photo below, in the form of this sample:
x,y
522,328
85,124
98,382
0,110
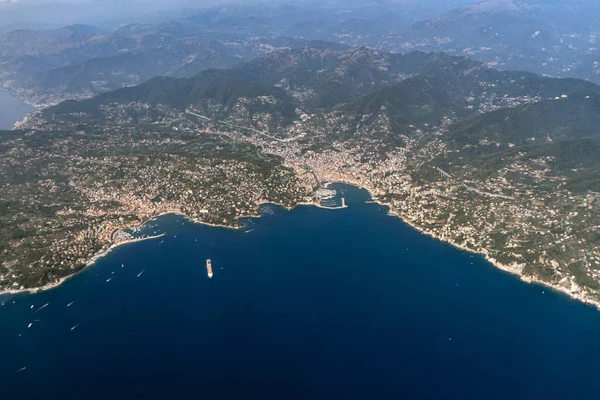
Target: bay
x,y
11,111
307,303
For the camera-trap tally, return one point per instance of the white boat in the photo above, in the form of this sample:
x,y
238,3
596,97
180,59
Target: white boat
x,y
209,270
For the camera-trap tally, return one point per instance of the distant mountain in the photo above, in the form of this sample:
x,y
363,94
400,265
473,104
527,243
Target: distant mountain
x,y
460,88
486,7
321,78
555,38
84,30
40,42
80,61
29,66
315,21
129,68
77,43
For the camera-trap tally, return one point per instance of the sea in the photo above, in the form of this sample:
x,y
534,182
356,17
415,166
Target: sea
x,y
11,111
308,303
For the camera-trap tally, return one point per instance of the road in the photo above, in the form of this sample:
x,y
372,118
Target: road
x,y
245,127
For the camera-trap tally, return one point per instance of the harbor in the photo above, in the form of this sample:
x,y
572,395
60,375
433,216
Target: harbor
x,y
308,290
330,198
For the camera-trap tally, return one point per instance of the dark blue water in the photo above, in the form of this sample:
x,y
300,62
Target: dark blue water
x,y
314,304
11,111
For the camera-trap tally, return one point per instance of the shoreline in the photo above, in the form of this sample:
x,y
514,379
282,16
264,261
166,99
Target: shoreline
x,y
21,103
506,268
511,270
103,253
90,263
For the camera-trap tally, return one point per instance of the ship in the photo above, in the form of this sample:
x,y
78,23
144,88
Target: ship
x,y
209,270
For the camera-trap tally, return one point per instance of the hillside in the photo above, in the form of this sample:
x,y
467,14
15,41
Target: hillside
x,y
500,162
322,78
575,116
211,92
460,88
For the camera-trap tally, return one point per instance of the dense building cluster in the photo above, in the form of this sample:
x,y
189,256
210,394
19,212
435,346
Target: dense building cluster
x,y
66,194
477,157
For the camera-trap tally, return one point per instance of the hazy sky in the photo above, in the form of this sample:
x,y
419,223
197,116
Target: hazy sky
x,y
113,13
62,12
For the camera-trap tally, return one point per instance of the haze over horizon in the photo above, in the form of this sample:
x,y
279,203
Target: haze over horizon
x,y
112,13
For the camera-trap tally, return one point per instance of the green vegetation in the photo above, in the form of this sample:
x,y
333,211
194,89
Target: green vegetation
x,y
503,163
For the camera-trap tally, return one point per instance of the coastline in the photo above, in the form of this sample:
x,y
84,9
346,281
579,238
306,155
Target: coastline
x,y
506,268
493,261
103,253
15,105
90,263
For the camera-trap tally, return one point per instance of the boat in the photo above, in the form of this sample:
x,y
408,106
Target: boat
x,y
209,270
